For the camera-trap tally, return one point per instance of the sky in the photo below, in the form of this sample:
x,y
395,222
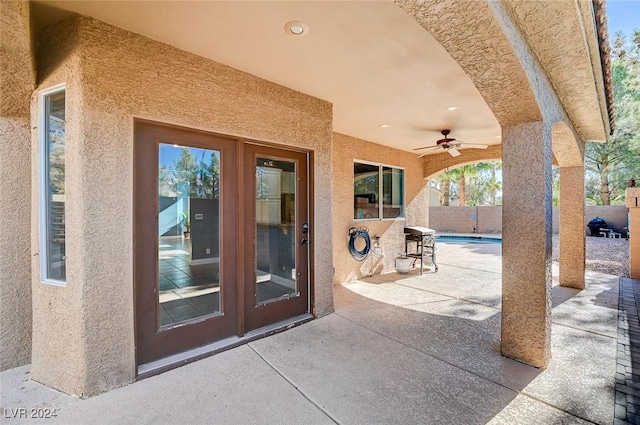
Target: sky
x,y
169,154
623,15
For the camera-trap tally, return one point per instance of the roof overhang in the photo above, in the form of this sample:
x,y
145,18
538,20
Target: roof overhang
x,y
571,45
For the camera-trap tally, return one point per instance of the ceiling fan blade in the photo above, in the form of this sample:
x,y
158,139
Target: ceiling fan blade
x,y
453,152
474,145
425,147
425,153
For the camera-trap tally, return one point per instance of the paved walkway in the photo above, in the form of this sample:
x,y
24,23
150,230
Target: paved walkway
x,y
399,350
627,408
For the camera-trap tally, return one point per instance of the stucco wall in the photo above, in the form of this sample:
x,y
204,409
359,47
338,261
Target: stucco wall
x,y
616,216
59,341
633,203
17,80
484,219
15,249
489,219
121,76
391,232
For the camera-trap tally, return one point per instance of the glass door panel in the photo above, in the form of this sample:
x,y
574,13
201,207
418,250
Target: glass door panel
x,y
275,230
185,239
276,235
189,233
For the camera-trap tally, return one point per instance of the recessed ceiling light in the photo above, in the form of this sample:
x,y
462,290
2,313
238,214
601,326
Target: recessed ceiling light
x,y
452,108
296,28
498,137
384,126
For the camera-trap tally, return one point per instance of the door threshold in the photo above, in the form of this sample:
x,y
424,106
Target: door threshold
x,y
180,359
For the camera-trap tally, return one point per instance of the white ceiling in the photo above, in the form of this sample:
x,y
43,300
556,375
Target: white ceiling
x,y
370,59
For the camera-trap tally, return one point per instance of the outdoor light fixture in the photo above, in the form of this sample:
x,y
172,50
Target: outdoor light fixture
x,y
296,28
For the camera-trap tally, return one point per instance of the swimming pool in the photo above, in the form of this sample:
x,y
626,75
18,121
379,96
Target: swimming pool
x,y
452,239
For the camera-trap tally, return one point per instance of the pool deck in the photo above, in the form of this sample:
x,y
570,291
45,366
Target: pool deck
x,y
399,349
472,235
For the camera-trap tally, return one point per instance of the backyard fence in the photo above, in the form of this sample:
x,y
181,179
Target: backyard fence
x,y
488,219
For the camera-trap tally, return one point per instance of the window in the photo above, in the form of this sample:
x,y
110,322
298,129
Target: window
x,y
52,186
378,191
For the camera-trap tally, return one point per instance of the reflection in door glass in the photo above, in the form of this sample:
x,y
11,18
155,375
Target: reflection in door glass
x,y
275,229
189,229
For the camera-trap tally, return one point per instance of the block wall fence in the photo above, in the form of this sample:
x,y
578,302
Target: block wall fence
x,y
486,219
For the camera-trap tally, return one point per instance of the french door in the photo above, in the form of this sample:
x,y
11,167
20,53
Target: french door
x,y
276,235
215,258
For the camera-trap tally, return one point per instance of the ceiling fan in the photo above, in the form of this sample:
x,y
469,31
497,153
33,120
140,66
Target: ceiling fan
x,y
450,144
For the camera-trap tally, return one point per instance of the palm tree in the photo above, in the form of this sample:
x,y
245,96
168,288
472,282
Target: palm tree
x,y
458,176
444,181
468,171
494,185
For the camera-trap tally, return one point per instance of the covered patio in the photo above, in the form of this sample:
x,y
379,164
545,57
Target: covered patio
x,y
398,349
340,89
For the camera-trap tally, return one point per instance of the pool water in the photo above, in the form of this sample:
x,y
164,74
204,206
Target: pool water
x,y
463,240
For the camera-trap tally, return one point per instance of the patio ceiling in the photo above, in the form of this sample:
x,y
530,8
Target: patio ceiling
x,y
375,63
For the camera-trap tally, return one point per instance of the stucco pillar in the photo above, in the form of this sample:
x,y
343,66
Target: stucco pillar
x,y
526,243
572,229
15,242
17,80
633,202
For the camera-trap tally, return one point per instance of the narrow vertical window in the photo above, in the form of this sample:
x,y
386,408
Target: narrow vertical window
x,y
392,192
366,190
52,182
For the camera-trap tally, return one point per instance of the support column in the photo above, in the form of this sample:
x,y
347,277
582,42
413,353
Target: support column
x,y
572,229
17,80
633,203
15,242
526,243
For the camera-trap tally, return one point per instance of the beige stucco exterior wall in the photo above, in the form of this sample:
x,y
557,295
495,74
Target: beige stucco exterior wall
x,y
526,255
616,216
633,202
572,235
114,77
568,150
17,80
58,356
565,42
346,149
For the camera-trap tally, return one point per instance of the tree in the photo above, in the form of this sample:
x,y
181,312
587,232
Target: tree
x,y
465,186
494,185
610,165
474,184
186,172
458,178
214,175
555,186
444,181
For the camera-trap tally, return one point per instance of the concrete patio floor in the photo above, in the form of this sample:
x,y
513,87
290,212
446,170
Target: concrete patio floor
x,y
400,349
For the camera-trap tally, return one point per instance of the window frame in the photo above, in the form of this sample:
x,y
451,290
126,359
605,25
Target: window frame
x,y
380,166
44,179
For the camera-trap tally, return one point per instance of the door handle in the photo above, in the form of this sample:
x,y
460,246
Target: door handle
x,y
304,241
305,228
